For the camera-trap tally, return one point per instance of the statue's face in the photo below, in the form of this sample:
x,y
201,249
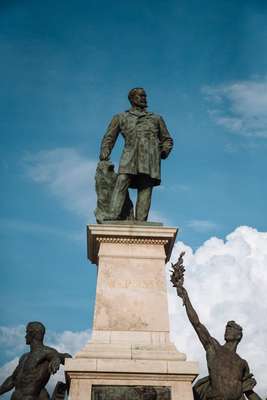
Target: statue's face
x,y
29,335
139,99
231,334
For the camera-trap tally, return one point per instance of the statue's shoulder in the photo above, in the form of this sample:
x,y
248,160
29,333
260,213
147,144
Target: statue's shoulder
x,y
242,360
214,343
49,350
117,118
120,115
154,116
23,357
124,114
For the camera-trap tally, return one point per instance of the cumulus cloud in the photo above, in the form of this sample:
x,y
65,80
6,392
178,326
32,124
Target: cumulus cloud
x,y
12,344
68,175
12,340
226,280
240,106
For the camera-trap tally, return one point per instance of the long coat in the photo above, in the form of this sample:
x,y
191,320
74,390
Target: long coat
x,y
146,141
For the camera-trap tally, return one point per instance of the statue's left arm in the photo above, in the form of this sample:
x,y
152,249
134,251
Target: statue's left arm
x,y
166,142
248,384
55,359
7,385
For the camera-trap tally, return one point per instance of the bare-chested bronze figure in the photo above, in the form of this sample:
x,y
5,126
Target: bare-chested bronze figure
x,y
35,367
229,376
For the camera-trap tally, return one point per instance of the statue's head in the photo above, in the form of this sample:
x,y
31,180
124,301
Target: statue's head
x,y
34,331
137,97
233,332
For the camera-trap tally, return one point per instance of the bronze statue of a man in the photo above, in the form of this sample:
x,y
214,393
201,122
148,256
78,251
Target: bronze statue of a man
x,y
147,141
229,376
35,367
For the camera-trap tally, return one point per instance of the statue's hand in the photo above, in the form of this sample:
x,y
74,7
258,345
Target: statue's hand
x,y
54,365
66,355
163,155
248,383
177,273
63,356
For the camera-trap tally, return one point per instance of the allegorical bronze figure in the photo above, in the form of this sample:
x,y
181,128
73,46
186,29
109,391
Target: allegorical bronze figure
x,y
35,368
147,141
229,376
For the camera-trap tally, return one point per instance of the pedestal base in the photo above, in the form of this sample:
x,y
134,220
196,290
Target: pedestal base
x,y
130,345
180,386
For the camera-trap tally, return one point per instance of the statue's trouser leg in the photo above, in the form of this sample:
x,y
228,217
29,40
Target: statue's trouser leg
x,y
143,203
119,195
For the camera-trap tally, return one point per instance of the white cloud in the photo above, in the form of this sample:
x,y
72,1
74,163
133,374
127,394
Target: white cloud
x,y
226,280
68,175
12,343
240,106
12,340
202,225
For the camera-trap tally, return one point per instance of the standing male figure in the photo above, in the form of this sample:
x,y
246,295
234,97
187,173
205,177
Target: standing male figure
x,y
147,141
229,376
34,369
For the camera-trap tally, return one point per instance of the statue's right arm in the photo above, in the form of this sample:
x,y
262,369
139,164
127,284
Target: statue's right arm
x,y
202,332
109,138
9,383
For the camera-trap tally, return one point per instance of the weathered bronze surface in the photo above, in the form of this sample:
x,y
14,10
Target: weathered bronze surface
x,y
105,180
105,392
229,375
35,368
147,141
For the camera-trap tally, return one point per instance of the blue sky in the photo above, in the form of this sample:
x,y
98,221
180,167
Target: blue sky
x,y
66,68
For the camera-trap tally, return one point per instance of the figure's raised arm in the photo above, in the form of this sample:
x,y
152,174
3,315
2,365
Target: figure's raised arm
x,y
177,279
109,138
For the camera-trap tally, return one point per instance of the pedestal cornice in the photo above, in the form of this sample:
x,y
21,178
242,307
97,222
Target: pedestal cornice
x,y
129,234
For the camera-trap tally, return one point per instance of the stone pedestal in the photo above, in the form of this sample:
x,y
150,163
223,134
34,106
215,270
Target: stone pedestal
x,y
130,343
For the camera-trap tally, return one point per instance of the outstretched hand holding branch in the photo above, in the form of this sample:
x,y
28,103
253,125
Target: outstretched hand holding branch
x,y
177,277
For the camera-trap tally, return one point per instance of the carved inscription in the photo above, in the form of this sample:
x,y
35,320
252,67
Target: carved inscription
x,y
130,284
113,392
